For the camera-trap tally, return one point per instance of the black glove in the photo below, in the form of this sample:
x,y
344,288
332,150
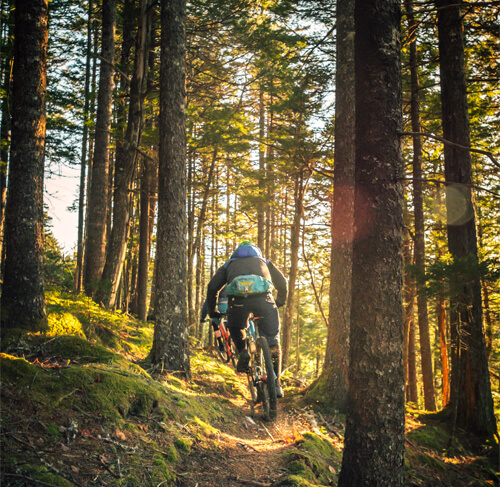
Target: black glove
x,y
279,305
216,315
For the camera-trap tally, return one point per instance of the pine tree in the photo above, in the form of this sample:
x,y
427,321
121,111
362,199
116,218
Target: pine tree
x,y
23,300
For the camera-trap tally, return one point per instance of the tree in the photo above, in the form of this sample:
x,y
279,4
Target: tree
x,y
97,210
418,204
471,402
125,164
23,300
374,439
337,348
170,348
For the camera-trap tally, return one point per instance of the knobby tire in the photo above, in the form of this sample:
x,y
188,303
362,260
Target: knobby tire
x,y
268,387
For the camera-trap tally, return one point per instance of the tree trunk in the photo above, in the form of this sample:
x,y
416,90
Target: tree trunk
x,y
418,204
97,211
261,213
471,400
144,241
125,164
78,281
170,348
294,266
374,440
443,345
409,329
337,348
5,128
23,299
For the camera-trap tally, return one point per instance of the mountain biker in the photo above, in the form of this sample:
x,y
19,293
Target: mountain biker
x,y
222,302
250,279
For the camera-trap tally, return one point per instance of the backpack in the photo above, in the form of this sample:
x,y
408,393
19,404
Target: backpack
x,y
248,285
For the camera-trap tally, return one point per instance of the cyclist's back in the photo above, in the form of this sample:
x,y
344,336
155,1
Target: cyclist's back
x,y
250,279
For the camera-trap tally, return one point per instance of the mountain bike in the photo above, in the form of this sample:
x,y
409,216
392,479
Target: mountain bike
x,y
260,373
227,352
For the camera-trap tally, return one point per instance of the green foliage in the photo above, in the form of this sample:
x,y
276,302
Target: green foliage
x,y
452,274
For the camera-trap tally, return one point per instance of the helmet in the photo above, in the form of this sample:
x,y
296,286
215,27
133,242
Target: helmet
x,y
245,242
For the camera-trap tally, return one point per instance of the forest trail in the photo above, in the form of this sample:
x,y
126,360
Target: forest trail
x,y
250,452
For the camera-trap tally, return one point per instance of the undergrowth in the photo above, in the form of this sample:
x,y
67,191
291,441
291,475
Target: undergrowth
x,y
80,408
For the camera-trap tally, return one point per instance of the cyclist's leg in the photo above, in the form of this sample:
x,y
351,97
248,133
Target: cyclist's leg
x,y
269,327
215,325
237,322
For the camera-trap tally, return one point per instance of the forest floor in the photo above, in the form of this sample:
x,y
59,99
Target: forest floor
x,y
78,412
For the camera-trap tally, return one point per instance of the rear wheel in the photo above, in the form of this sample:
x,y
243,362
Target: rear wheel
x,y
267,379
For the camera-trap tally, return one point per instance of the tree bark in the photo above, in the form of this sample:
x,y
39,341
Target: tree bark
x,y
337,348
470,401
294,266
374,440
23,299
418,204
97,210
78,281
6,121
170,348
125,165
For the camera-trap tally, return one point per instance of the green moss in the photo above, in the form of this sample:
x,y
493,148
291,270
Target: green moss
x,y
64,324
53,430
172,454
39,473
184,444
429,436
160,471
315,459
105,390
296,481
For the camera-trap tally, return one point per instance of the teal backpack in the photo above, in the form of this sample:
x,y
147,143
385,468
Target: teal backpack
x,y
248,285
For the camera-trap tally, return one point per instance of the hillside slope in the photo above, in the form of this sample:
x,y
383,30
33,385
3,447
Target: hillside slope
x,y
80,409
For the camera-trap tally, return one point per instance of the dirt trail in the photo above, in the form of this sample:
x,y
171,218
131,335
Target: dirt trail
x,y
249,453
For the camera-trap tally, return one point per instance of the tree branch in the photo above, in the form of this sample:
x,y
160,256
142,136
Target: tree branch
x,y
447,142
448,183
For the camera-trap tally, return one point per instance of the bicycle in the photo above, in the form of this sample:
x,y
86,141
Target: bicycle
x,y
260,373
228,352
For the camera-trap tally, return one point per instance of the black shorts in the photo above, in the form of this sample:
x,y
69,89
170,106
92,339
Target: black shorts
x,y
262,307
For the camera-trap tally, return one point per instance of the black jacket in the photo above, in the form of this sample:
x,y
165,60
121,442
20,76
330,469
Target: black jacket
x,y
244,266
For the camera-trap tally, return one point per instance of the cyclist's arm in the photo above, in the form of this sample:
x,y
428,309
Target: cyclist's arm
x,y
279,282
214,286
204,311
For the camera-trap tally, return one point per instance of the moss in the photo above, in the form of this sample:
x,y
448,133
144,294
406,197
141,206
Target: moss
x,y
160,471
98,389
53,430
42,474
184,444
296,481
172,454
205,428
64,324
429,436
315,459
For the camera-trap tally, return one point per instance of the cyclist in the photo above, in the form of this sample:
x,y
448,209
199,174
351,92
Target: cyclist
x,y
250,279
222,301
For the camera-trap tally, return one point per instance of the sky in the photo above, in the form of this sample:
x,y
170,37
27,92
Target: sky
x,y
61,191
